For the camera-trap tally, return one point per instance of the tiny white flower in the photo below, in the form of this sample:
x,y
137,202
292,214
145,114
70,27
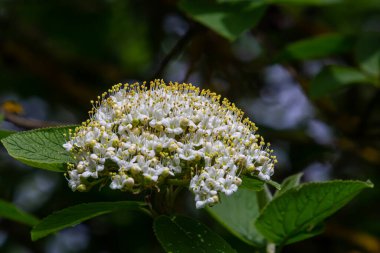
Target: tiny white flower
x,y
172,126
68,146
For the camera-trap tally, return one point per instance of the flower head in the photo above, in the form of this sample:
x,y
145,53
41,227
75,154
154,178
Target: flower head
x,y
138,137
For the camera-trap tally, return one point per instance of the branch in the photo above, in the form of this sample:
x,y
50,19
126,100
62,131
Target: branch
x,y
27,123
181,44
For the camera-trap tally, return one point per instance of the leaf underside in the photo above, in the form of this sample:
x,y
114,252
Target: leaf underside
x,y
179,234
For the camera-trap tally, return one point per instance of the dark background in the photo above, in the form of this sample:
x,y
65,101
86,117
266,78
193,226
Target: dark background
x,y
55,56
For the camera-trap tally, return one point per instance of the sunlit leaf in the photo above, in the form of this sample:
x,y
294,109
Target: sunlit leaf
x,y
238,214
10,211
317,47
179,234
74,215
229,19
332,78
297,213
40,148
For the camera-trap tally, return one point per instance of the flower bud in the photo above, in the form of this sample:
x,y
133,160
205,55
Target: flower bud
x,y
81,188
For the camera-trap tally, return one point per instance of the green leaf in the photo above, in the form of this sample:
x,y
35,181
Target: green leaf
x,y
254,184
297,213
368,53
310,232
289,182
10,211
74,215
229,19
274,184
179,234
238,213
332,78
5,133
304,2
40,148
318,47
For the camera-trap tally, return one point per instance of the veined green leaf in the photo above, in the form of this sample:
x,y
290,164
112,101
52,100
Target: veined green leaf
x,y
229,19
317,47
41,148
297,213
179,234
10,211
238,213
332,78
74,215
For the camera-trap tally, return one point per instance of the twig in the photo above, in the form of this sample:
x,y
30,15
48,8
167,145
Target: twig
x,y
181,44
27,123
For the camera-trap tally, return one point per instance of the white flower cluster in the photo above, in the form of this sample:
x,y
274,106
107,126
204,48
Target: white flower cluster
x,y
139,138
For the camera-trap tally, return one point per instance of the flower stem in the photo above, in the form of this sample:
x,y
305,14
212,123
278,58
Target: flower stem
x,y
263,198
178,182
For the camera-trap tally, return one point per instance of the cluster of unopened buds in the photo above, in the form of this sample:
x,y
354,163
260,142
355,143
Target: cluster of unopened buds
x,y
139,138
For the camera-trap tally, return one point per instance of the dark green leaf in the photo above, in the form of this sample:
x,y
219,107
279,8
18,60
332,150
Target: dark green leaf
x,y
368,53
317,47
238,214
74,215
40,148
311,232
332,78
289,182
180,234
5,133
229,19
10,211
297,213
